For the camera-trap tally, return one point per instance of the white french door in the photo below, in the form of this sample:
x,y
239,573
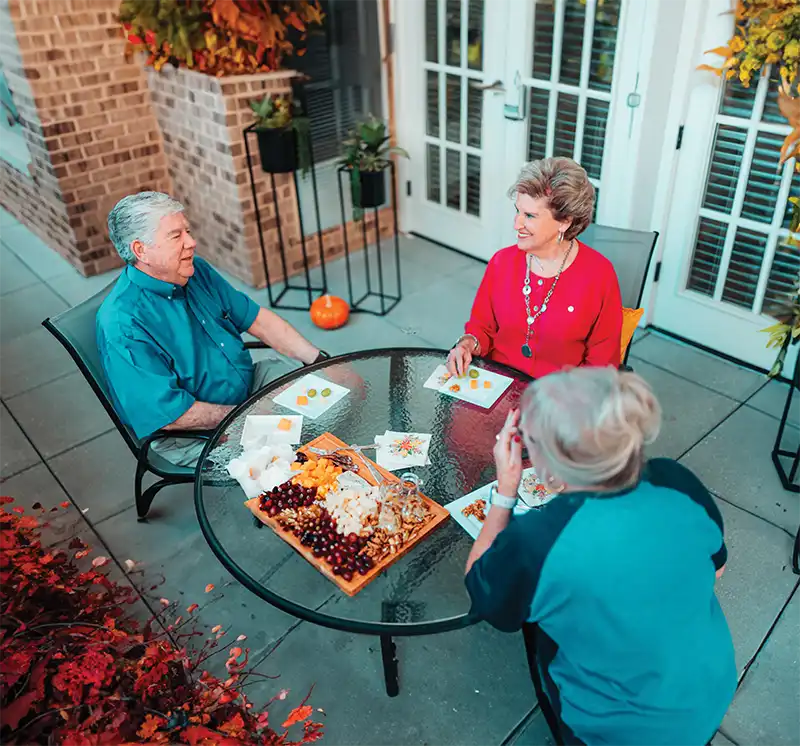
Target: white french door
x,y
726,260
486,85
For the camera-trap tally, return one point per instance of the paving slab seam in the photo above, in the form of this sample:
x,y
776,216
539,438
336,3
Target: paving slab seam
x,y
722,421
33,271
727,737
38,385
82,515
519,728
635,357
748,665
750,512
6,477
77,445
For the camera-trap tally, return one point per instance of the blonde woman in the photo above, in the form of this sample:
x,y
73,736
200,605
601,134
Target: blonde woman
x,y
612,582
548,301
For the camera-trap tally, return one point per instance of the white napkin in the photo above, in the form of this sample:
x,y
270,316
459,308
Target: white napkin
x,y
261,469
397,451
266,429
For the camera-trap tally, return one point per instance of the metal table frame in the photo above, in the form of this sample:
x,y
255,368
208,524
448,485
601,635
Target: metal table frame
x,y
387,631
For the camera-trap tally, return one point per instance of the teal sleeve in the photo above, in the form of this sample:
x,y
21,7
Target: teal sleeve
x,y
239,307
145,387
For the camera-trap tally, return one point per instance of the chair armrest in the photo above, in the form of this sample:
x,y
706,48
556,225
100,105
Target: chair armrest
x,y
256,345
162,434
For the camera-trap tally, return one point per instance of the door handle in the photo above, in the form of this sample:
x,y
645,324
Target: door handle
x,y
496,87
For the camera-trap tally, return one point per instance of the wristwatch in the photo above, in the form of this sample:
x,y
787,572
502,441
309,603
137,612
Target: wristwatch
x,y
322,356
501,501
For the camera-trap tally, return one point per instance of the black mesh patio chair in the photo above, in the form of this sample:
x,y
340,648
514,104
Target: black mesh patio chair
x,y
75,330
630,252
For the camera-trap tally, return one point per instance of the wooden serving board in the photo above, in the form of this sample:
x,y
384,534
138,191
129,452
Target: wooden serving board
x,y
327,441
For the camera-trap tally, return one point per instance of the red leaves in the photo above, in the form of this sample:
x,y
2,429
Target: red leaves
x,y
5,499
68,648
209,588
298,715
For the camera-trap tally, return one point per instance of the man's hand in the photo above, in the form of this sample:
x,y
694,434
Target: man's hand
x,y
460,357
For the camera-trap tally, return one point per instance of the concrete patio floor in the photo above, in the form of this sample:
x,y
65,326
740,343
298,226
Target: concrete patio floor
x,y
468,687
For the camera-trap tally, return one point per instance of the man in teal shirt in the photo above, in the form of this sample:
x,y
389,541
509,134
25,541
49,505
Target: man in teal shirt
x,y
169,333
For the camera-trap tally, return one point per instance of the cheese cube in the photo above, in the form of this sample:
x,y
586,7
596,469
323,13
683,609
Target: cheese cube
x,y
284,424
302,401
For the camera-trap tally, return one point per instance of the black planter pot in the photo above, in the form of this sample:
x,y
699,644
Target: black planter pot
x,y
373,188
278,150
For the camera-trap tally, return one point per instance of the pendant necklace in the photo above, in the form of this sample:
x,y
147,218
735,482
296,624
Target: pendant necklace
x,y
526,294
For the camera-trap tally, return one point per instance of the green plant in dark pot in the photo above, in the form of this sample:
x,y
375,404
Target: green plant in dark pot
x,y
283,134
366,157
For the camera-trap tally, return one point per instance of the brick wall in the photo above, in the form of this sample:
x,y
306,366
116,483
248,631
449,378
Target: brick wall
x,y
89,124
202,120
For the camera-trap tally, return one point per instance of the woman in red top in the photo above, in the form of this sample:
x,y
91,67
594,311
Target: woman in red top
x,y
550,301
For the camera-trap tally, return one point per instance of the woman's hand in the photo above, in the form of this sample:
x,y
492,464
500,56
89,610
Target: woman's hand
x,y
460,357
508,456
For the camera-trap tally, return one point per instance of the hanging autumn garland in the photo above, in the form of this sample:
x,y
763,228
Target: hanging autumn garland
x,y
768,33
218,37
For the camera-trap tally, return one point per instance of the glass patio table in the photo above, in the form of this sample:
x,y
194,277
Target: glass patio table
x,y
423,592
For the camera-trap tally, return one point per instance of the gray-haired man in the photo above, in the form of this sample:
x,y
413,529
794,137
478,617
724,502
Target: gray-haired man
x,y
169,333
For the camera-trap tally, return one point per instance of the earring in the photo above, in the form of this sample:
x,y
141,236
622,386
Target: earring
x,y
560,236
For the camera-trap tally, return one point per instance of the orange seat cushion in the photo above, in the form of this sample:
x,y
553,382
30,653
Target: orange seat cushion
x,y
630,320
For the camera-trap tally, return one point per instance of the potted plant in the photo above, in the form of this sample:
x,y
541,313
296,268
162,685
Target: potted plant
x,y
283,134
366,157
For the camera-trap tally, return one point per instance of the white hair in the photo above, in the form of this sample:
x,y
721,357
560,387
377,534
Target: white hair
x,y
587,427
136,218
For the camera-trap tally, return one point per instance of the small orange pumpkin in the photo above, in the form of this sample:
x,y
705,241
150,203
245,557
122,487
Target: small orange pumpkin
x,y
330,312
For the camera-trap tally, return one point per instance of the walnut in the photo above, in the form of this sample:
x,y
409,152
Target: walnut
x,y
476,509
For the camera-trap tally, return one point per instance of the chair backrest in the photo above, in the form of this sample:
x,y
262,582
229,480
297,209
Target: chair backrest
x,y
75,330
629,251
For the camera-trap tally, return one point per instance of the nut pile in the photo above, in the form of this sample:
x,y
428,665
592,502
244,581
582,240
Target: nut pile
x,y
476,509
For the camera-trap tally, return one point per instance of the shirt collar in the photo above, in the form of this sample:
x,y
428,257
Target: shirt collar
x,y
159,287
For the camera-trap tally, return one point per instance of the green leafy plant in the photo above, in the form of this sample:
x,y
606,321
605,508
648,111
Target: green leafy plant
x,y
368,150
275,111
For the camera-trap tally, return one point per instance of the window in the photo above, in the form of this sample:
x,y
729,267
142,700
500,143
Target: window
x,y
13,146
343,62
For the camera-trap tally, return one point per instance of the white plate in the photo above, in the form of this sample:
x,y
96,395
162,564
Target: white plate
x,y
317,405
481,396
262,429
469,523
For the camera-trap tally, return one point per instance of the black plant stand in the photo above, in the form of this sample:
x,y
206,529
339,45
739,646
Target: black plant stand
x,y
780,453
307,289
387,300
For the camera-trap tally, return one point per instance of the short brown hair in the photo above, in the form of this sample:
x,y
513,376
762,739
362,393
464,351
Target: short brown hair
x,y
566,186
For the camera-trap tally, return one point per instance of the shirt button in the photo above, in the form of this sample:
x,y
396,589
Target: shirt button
x,y
203,321
541,282
571,309
221,344
536,308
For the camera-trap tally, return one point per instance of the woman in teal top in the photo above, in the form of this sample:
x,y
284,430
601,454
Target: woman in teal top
x,y
612,582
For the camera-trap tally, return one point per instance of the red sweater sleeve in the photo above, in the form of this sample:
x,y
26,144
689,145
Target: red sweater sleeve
x,y
604,340
482,321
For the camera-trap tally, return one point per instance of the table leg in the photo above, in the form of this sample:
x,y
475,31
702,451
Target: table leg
x,y
390,670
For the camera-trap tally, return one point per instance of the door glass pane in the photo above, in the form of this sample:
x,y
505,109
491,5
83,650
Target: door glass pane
x,y
453,165
782,277
771,111
572,42
432,126
431,31
764,181
434,173
453,26
567,113
537,133
744,267
594,137
543,31
726,160
475,35
453,108
604,44
707,253
474,116
737,101
474,185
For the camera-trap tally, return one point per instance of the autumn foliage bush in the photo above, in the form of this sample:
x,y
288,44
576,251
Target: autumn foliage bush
x,y
218,37
76,668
